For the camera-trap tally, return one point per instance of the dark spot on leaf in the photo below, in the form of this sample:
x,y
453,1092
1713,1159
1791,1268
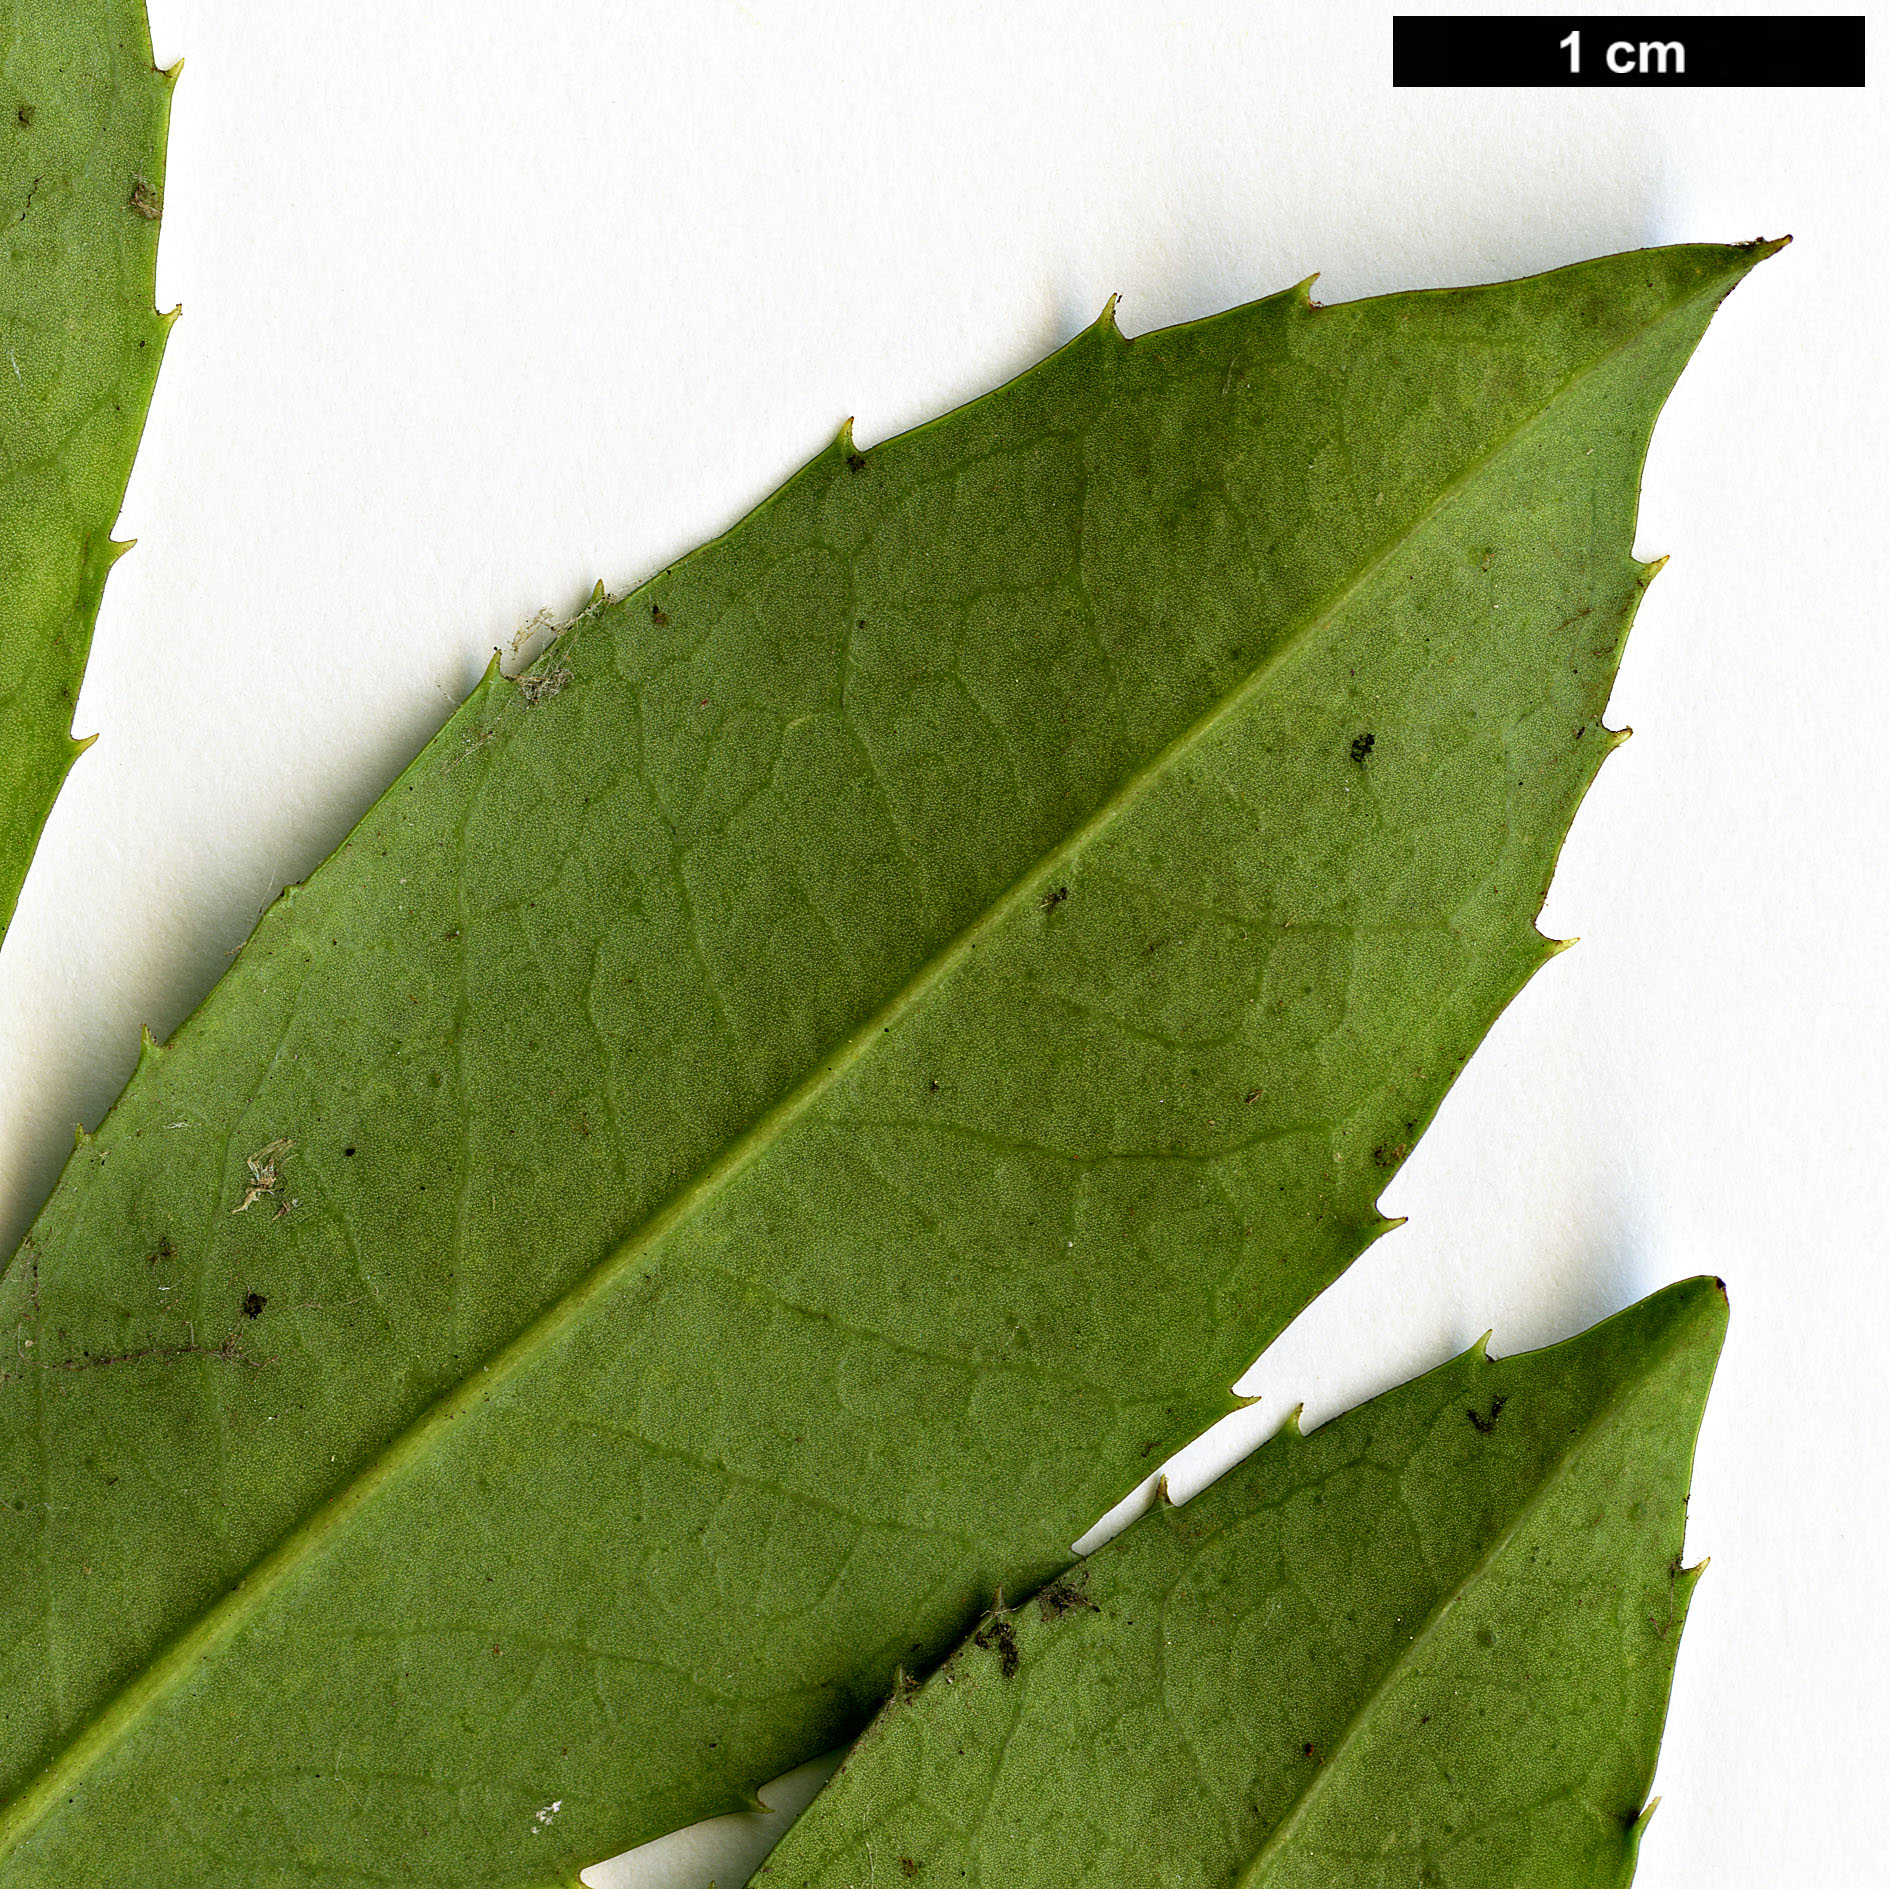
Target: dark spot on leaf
x,y
658,616
145,200
347,1150
253,1302
1062,1595
996,1635
907,1867
855,462
1311,1751
166,1248
25,115
1486,1424
1053,899
1389,1157
1361,745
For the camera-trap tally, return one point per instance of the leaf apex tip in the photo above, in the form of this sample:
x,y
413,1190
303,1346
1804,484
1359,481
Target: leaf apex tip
x,y
1106,322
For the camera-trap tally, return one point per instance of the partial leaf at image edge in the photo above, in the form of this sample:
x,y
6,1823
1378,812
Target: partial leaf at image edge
x,y
1431,1642
83,120
774,1121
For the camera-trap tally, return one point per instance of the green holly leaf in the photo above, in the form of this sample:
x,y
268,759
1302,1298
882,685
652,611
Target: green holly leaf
x,y
1430,1643
83,117
777,1118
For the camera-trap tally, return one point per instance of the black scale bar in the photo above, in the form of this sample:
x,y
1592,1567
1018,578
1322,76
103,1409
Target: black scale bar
x,y
1625,49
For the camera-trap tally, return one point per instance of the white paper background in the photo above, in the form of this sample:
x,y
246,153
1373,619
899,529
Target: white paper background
x,y
486,302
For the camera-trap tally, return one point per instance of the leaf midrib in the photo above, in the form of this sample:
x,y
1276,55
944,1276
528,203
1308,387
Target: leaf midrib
x,y
1375,1700
219,1622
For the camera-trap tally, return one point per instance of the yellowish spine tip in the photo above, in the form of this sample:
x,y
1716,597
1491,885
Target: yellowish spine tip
x,y
1294,1424
80,743
598,597
1301,292
1105,322
1479,1351
116,548
1617,737
1553,947
172,73
1163,1495
844,442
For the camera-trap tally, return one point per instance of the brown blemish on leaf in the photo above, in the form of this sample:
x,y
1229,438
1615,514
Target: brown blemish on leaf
x,y
1361,745
253,1302
1053,899
997,1636
145,200
1060,1596
228,1352
1488,1423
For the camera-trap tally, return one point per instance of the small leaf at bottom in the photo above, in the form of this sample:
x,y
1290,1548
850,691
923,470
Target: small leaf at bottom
x,y
1430,1643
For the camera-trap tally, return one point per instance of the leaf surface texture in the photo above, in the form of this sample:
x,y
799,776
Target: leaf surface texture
x,y
771,1124
1430,1643
83,118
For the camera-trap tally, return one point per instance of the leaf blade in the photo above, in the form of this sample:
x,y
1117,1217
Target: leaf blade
x,y
82,140
1295,1684
846,1329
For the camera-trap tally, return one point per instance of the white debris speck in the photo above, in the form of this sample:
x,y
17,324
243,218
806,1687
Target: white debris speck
x,y
544,1816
